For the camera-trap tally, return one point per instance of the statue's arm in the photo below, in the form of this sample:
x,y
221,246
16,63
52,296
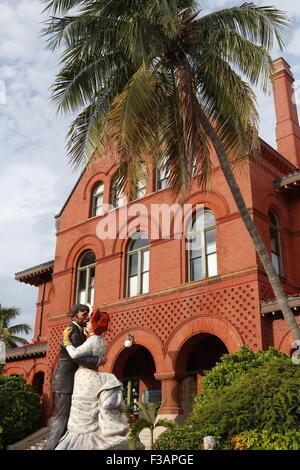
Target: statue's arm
x,y
81,353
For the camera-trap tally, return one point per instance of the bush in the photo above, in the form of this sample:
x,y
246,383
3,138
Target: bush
x,y
265,440
232,367
181,438
245,391
265,398
20,409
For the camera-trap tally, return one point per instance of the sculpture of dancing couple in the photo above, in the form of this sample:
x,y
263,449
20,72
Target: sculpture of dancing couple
x,y
89,404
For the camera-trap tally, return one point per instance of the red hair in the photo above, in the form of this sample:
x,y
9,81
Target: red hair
x,y
99,321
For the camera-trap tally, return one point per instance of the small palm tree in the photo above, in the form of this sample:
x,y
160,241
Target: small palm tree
x,y
147,421
8,333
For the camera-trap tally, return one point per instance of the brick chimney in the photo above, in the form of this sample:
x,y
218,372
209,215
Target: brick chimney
x,y
287,127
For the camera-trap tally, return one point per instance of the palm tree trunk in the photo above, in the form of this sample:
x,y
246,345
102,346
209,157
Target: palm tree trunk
x,y
151,438
251,228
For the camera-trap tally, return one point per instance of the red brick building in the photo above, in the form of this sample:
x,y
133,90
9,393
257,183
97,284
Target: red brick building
x,y
183,308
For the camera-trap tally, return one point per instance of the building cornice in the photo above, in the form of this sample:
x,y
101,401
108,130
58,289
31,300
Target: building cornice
x,y
187,286
28,351
290,182
271,306
36,275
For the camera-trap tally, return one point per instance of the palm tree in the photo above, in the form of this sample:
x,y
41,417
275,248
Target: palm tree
x,y
147,421
159,78
8,333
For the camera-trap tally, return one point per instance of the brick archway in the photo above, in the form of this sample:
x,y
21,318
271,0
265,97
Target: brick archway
x,y
285,344
218,327
142,337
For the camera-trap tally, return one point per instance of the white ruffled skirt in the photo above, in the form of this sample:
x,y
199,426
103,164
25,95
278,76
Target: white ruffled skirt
x,y
97,420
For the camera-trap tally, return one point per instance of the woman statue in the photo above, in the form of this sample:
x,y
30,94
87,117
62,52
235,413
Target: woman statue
x,y
97,420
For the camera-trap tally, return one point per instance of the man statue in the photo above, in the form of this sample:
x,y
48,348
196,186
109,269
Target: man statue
x,y
63,376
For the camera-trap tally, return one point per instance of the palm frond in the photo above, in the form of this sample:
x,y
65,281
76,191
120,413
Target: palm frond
x,y
259,24
15,341
145,410
252,60
86,134
137,427
131,124
8,314
61,6
195,140
234,113
21,328
166,423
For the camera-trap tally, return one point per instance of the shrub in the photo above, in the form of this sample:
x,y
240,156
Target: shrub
x,y
265,440
181,438
232,367
264,398
245,391
20,409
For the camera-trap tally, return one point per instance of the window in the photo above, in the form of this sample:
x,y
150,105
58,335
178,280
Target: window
x,y
275,243
138,265
201,246
162,175
117,196
86,278
97,202
140,190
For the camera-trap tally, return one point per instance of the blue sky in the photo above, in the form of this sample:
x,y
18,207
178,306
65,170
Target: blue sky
x,y
35,176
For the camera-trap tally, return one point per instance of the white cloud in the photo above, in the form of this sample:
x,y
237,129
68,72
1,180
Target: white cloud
x,y
34,172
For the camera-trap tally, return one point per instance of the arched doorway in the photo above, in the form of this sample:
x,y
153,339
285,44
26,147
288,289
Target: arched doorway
x,y
38,382
135,367
198,354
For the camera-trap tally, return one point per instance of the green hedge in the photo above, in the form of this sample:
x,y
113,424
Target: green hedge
x,y
20,409
232,367
246,391
180,438
265,440
264,398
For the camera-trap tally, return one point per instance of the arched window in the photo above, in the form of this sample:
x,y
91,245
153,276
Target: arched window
x,y
117,197
138,265
86,278
275,243
162,175
97,201
201,245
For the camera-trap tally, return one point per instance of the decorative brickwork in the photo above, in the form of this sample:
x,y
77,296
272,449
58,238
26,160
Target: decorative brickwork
x,y
238,305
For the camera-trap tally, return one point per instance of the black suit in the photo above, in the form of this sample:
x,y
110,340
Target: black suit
x,y
62,385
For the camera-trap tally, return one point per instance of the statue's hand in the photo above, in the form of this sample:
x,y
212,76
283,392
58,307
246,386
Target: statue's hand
x,y
66,336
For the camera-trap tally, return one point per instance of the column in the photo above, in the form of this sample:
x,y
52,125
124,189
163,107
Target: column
x,y
170,384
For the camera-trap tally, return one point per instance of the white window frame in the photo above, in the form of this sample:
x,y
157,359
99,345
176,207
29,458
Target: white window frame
x,y
203,248
89,291
139,252
162,176
95,199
